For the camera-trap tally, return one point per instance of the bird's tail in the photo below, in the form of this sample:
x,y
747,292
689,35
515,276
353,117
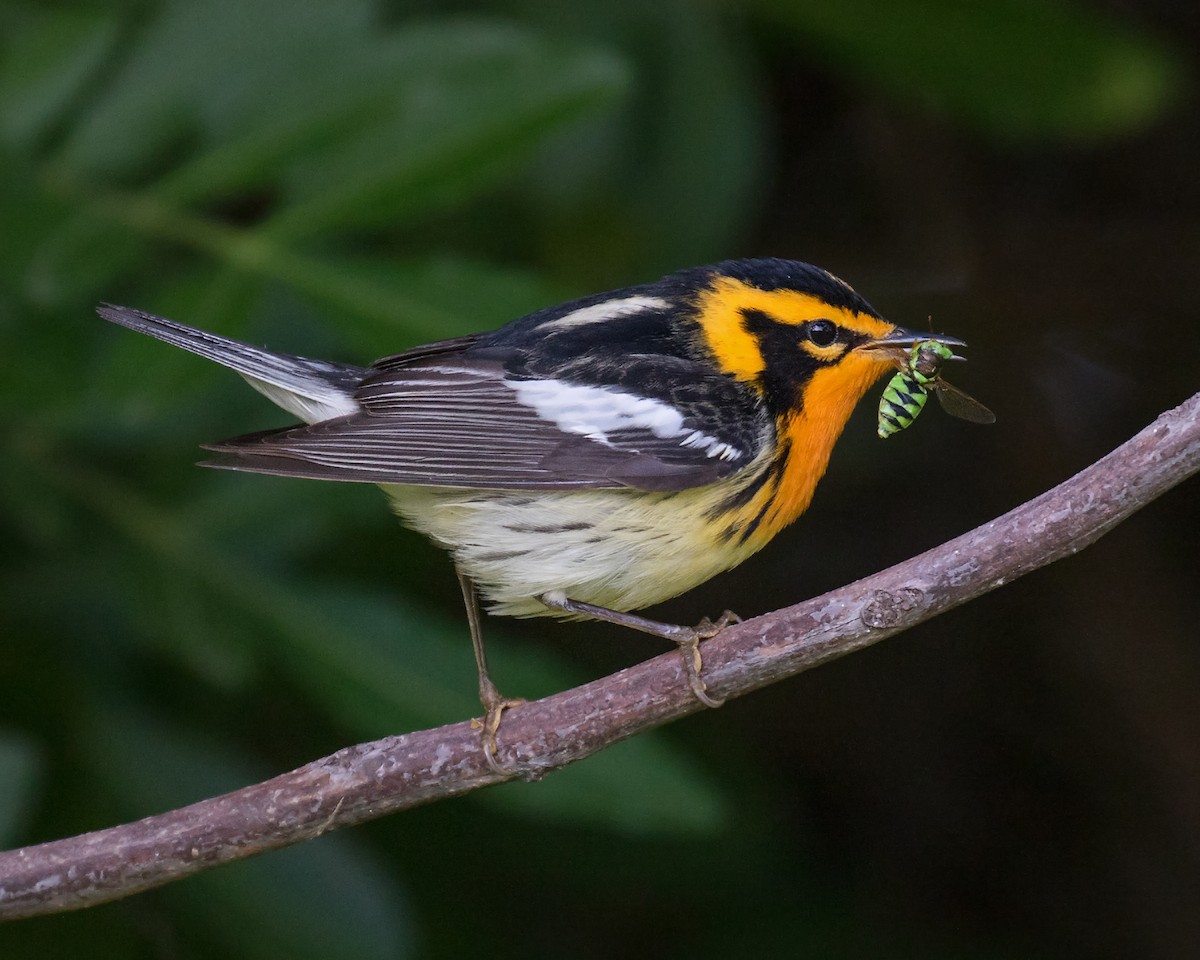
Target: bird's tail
x,y
312,390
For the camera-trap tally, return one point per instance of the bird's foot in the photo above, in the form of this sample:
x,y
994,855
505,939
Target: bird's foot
x,y
688,640
494,706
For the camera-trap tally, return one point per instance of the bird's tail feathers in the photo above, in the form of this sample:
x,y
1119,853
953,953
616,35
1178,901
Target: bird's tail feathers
x,y
312,390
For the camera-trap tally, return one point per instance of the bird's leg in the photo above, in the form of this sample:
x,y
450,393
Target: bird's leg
x,y
686,638
494,704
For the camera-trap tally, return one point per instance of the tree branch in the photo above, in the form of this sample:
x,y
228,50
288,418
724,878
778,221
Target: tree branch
x,y
372,779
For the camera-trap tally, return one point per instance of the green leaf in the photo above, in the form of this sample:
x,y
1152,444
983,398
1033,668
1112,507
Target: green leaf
x,y
379,665
377,127
467,101
20,776
215,71
45,65
1014,69
82,254
400,304
710,143
673,177
30,216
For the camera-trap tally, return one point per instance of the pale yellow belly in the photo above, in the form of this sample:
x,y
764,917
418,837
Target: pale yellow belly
x,y
621,549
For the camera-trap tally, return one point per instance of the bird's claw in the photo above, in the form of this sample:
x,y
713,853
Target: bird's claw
x,y
494,704
689,646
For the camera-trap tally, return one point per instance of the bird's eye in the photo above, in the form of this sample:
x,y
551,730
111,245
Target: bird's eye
x,y
821,332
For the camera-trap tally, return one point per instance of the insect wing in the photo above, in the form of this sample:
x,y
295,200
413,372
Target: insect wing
x,y
961,405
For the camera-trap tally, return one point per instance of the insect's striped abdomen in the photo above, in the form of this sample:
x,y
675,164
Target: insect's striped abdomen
x,y
902,401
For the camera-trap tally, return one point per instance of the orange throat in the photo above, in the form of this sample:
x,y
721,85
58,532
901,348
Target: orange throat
x,y
807,437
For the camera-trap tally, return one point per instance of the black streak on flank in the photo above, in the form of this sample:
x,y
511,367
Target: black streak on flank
x,y
770,476
748,530
548,527
500,556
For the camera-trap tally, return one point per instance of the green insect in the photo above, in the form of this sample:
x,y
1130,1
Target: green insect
x,y
905,395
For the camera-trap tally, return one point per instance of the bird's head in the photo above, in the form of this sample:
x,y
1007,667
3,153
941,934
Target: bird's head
x,y
805,340
811,347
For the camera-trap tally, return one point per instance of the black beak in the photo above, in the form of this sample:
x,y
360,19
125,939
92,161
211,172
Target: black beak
x,y
897,345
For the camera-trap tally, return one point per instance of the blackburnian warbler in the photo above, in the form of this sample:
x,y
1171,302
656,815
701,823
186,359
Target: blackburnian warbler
x,y
595,457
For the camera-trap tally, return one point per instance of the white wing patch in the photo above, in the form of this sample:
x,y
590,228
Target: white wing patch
x,y
599,312
596,412
711,446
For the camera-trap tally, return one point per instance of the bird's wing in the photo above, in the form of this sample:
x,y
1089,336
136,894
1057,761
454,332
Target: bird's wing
x,y
439,416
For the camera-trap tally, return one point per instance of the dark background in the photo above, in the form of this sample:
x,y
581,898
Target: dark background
x,y
1019,778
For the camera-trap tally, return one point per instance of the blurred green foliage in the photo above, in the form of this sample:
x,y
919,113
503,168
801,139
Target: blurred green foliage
x,y
348,179
1015,70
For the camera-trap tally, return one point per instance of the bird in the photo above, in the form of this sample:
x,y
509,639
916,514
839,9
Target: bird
x,y
592,458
